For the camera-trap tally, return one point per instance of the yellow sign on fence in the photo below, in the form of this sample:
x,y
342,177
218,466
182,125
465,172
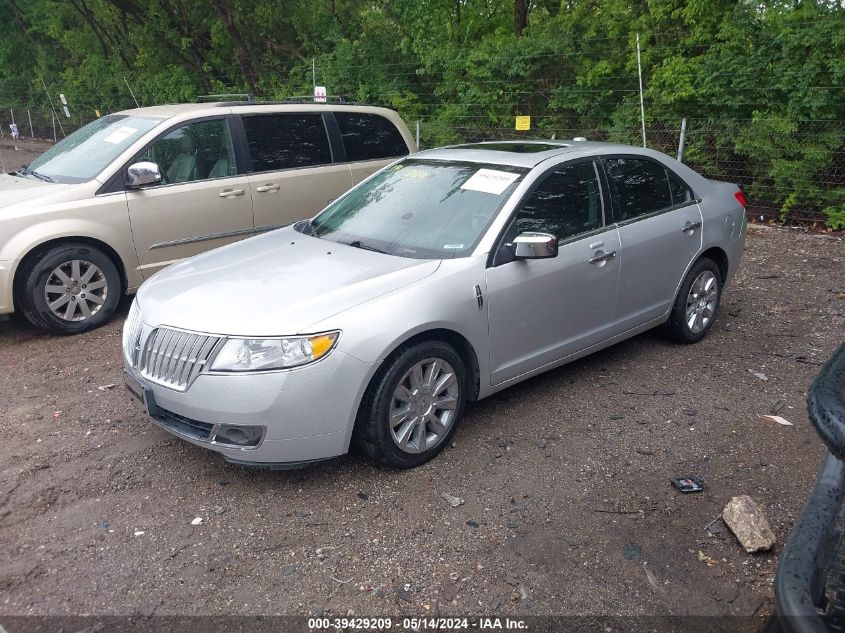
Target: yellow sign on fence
x,y
523,123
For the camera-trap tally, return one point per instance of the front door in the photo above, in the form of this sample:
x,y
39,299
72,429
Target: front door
x,y
660,229
201,203
543,310
292,176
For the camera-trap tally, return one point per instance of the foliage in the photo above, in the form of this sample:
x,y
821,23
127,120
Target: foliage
x,y
760,81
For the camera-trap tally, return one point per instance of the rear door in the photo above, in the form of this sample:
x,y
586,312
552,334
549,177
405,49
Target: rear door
x,y
204,200
370,141
292,172
660,229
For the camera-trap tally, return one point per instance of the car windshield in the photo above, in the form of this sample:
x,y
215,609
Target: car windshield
x,y
89,150
426,209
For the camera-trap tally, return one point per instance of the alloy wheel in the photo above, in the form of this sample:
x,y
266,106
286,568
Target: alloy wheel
x,y
76,290
701,301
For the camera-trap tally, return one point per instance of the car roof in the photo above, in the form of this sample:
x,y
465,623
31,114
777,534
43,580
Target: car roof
x,y
520,153
213,107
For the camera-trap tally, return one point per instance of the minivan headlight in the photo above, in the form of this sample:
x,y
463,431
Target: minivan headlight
x,y
256,354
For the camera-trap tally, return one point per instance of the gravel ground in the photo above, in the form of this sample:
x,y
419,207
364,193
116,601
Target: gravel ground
x,y
565,480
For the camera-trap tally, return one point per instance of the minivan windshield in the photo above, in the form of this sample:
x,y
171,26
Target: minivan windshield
x,y
426,209
89,150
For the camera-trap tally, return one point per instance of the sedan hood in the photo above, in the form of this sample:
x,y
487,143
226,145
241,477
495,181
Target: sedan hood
x,y
275,284
14,189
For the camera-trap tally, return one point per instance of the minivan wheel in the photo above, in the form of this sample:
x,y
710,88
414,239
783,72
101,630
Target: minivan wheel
x,y
697,303
413,405
70,288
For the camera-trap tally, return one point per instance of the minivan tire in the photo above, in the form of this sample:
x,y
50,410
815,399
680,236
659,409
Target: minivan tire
x,y
677,327
36,273
373,426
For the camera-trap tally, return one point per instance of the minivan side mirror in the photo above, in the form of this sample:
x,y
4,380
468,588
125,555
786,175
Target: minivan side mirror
x,y
143,174
531,245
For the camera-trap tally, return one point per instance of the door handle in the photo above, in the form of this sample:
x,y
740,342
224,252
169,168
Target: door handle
x,y
231,193
691,226
271,187
602,257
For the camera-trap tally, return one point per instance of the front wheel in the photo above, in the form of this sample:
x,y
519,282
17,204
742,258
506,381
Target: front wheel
x,y
413,405
70,288
697,303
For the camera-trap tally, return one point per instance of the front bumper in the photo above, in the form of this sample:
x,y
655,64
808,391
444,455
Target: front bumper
x,y
6,299
308,412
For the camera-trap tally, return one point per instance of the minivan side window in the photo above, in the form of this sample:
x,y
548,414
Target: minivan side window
x,y
196,151
566,203
368,136
641,186
286,141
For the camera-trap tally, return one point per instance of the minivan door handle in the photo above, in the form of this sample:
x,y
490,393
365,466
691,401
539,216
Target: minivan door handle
x,y
231,193
601,257
691,227
270,187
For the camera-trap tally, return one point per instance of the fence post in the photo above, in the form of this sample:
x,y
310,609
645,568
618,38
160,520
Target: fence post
x,y
418,133
54,124
640,73
31,131
681,140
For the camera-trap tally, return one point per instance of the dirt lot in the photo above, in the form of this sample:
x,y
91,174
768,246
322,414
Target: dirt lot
x,y
14,154
568,507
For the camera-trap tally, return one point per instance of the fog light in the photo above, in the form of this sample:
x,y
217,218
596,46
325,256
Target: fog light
x,y
239,435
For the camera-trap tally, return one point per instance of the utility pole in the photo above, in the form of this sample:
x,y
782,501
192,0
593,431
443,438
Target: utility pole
x,y
640,73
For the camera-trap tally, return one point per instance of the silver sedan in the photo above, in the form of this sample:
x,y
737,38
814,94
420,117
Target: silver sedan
x,y
442,279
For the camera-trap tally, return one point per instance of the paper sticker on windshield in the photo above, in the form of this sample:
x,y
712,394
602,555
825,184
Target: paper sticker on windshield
x,y
490,181
120,134
453,246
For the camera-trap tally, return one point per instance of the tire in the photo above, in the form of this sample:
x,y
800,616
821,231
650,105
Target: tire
x,y
97,289
373,430
705,273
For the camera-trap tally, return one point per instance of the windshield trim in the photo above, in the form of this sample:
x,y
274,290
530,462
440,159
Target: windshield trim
x,y
428,254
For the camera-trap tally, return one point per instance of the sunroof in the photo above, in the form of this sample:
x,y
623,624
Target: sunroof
x,y
518,148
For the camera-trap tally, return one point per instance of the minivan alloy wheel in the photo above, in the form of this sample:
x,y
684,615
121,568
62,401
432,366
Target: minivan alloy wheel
x,y
424,405
701,301
76,290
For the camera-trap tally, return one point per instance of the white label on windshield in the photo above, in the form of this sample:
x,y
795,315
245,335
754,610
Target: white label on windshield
x,y
489,181
120,134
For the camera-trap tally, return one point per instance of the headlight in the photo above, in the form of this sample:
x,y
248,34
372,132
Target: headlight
x,y
255,354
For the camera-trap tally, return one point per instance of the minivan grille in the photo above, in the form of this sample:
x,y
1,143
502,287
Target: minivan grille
x,y
174,358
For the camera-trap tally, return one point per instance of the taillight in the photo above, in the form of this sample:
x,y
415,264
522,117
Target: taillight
x,y
740,198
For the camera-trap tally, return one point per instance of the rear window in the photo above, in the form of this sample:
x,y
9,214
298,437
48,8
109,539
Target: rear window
x,y
286,141
368,136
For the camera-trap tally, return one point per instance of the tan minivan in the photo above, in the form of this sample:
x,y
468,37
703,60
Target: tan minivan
x,y
132,192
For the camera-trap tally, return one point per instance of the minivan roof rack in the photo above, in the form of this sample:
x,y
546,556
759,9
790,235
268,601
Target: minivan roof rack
x,y
246,96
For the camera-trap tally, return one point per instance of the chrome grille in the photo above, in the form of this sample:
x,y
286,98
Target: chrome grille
x,y
132,330
174,358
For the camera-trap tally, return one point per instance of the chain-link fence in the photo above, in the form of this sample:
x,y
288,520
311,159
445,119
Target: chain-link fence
x,y
790,170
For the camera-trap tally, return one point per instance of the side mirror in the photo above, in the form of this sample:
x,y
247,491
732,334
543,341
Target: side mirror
x,y
530,245
142,174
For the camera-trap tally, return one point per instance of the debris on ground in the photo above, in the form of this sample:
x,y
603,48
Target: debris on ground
x,y
139,532
196,521
707,560
689,483
652,579
759,375
778,419
111,385
631,551
748,523
453,501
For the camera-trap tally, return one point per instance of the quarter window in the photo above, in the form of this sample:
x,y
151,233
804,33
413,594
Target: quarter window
x,y
680,192
286,141
641,186
566,203
369,136
196,151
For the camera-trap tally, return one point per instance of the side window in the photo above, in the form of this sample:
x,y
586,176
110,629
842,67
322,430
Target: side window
x,y
680,192
369,136
286,141
641,186
566,203
196,151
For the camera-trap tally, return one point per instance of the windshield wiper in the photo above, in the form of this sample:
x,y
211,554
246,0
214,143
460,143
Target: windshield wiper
x,y
366,247
308,227
43,177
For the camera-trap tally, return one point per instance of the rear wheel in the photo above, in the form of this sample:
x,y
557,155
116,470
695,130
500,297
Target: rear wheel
x,y
697,303
70,288
413,405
